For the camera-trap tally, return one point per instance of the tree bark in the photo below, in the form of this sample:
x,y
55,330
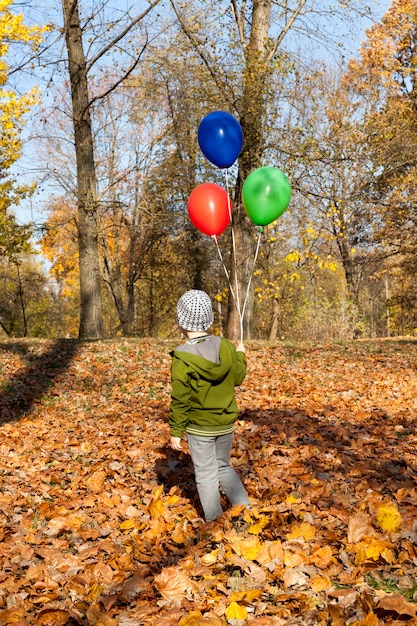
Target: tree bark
x,y
252,114
91,319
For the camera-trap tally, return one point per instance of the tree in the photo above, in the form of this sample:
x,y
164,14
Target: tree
x,y
14,239
243,66
384,76
91,322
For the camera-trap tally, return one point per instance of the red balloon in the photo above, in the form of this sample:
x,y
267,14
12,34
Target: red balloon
x,y
209,208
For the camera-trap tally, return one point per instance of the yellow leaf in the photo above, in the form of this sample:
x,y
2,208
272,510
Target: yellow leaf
x,y
195,618
250,595
373,549
271,551
210,558
305,530
259,525
320,583
322,557
291,499
388,518
156,507
127,524
248,548
235,611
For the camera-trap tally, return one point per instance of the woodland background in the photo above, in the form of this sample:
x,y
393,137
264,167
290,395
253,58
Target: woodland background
x,y
339,263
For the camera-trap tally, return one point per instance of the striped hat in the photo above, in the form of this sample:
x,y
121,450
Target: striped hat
x,y
194,311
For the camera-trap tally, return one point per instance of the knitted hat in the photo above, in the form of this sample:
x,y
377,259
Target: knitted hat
x,y
194,310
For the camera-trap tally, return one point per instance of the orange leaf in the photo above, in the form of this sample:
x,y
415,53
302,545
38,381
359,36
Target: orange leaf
x,y
172,583
96,481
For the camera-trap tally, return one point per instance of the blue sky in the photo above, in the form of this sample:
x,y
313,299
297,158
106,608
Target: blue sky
x,y
41,11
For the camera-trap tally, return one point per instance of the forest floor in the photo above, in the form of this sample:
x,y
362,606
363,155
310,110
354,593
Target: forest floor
x,y
100,523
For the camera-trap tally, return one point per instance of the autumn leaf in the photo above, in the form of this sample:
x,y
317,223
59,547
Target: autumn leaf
x,y
249,548
397,605
197,619
132,548
271,553
373,549
257,527
388,518
236,611
320,583
172,583
358,527
96,480
157,507
305,530
322,557
250,595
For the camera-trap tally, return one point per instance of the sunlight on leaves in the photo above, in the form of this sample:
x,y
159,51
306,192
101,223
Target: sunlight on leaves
x,y
305,530
172,583
235,611
388,518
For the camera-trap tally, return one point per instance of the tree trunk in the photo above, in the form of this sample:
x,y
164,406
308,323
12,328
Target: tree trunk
x,y
273,331
91,320
252,114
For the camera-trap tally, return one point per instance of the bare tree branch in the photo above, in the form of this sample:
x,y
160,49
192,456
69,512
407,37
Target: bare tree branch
x,y
120,36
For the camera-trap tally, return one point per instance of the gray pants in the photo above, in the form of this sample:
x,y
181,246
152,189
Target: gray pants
x,y
211,460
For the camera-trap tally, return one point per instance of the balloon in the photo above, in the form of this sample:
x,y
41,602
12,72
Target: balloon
x,y
266,194
220,138
209,208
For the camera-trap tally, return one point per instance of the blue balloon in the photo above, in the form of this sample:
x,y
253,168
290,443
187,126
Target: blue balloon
x,y
220,138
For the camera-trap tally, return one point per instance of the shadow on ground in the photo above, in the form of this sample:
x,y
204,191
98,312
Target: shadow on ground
x,y
30,383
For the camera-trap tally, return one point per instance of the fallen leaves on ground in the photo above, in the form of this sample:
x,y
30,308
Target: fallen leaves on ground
x,y
100,521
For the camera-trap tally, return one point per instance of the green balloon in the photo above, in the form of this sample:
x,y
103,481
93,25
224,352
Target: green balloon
x,y
266,193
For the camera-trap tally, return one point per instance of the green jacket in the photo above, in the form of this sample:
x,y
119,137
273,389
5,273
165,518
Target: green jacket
x,y
203,397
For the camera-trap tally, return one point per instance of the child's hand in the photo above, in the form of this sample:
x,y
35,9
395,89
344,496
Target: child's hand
x,y
241,347
175,443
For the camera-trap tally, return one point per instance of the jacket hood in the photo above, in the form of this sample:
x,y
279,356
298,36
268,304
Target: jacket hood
x,y
213,372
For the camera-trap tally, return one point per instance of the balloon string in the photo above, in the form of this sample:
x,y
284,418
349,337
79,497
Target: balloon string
x,y
224,266
237,297
253,269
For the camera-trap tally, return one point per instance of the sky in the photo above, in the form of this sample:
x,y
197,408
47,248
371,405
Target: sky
x,y
41,11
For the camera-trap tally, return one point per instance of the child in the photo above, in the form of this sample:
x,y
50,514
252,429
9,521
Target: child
x,y
204,373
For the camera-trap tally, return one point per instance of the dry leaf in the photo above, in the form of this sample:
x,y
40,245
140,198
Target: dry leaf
x,y
172,583
358,528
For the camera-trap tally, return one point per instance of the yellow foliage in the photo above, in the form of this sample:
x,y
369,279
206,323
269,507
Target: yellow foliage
x,y
235,611
291,499
13,108
320,583
210,558
305,530
157,507
195,618
293,257
259,525
248,548
388,518
249,595
373,549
